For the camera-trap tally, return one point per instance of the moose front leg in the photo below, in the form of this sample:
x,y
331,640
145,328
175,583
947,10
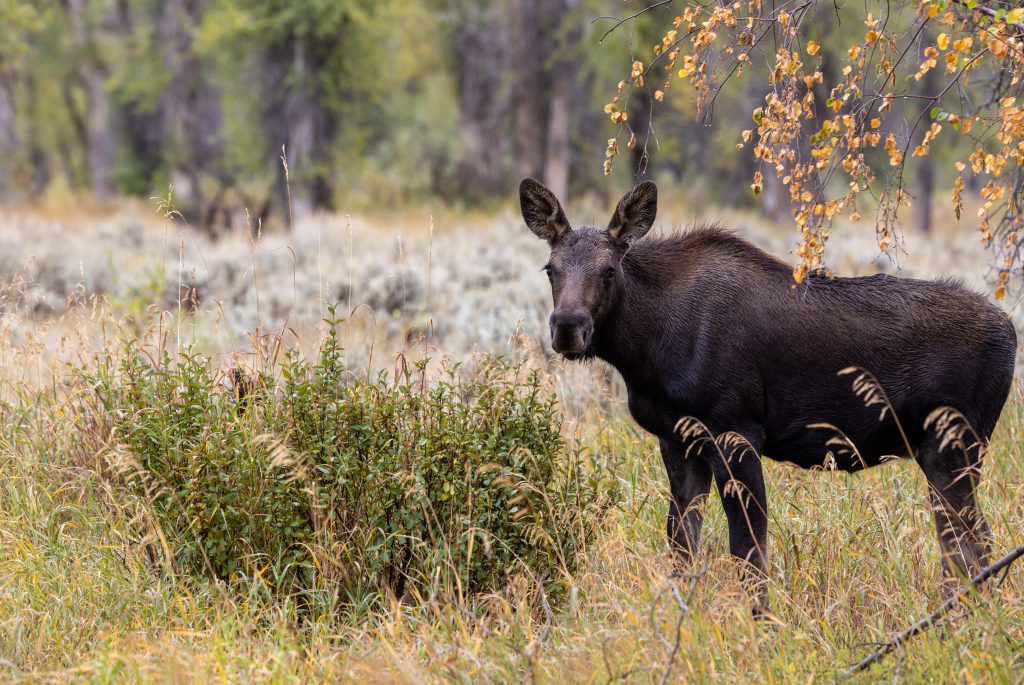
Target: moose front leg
x,y
737,468
689,480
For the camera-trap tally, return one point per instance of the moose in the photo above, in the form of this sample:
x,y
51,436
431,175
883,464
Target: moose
x,y
727,359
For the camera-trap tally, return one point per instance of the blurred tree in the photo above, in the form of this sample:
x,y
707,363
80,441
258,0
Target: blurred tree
x,y
189,119
370,103
563,54
481,58
17,23
925,186
517,65
93,118
545,35
293,51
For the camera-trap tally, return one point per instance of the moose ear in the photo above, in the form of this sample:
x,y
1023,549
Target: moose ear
x,y
541,210
635,213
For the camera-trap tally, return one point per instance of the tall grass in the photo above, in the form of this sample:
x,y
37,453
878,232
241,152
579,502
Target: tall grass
x,y
102,579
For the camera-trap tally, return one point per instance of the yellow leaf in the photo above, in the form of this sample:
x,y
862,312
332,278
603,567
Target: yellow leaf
x,y
943,41
876,122
813,47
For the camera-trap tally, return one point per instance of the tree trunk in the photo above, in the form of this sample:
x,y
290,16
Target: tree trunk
x,y
301,112
563,21
925,192
297,120
190,111
307,139
101,141
531,88
481,57
926,172
556,164
92,73
8,133
775,202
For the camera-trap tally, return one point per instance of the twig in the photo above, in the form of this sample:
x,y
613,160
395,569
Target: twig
x,y
929,621
620,22
684,610
989,12
672,648
671,658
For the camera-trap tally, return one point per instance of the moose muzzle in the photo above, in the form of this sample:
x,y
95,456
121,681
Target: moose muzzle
x,y
571,330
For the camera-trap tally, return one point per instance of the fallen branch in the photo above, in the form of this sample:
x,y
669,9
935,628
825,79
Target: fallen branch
x,y
929,621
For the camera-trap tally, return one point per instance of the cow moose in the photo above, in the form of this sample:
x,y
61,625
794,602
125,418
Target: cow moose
x,y
704,326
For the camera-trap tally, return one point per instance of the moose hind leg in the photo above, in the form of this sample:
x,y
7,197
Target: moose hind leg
x,y
689,478
964,535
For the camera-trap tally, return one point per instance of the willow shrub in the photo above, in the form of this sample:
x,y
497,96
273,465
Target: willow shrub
x,y
315,478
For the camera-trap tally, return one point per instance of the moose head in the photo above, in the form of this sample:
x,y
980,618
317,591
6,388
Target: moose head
x,y
585,266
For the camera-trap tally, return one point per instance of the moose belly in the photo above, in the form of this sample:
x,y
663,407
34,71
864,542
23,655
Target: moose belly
x,y
831,447
840,433
809,437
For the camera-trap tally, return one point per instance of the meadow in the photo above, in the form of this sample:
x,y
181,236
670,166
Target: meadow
x,y
93,586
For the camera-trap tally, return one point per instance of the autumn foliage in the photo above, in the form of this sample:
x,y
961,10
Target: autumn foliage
x,y
828,128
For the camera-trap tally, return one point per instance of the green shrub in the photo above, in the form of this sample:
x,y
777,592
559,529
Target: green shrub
x,y
310,477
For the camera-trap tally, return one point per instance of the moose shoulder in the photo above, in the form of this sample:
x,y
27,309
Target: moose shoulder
x,y
703,326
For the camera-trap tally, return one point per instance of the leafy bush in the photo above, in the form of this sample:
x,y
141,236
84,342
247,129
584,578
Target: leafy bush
x,y
313,477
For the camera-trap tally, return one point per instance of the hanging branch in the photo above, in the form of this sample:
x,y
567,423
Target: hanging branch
x,y
831,135
619,22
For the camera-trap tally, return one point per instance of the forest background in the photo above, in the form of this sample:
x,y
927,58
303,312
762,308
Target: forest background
x,y
370,104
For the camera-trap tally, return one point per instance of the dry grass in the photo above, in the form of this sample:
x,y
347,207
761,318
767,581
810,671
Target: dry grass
x,y
852,558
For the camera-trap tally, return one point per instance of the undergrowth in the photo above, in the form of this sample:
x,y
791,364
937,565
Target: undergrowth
x,y
187,518
340,489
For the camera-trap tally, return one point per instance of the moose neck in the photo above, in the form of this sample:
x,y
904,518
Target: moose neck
x,y
629,336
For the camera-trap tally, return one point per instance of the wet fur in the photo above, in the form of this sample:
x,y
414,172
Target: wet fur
x,y
711,326
706,327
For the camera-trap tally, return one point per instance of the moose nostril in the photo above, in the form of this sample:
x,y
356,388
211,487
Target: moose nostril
x,y
573,318
571,330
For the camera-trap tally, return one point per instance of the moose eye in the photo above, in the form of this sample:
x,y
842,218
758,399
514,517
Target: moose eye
x,y
549,270
609,273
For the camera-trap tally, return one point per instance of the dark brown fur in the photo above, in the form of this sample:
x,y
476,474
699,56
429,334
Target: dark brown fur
x,y
704,325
